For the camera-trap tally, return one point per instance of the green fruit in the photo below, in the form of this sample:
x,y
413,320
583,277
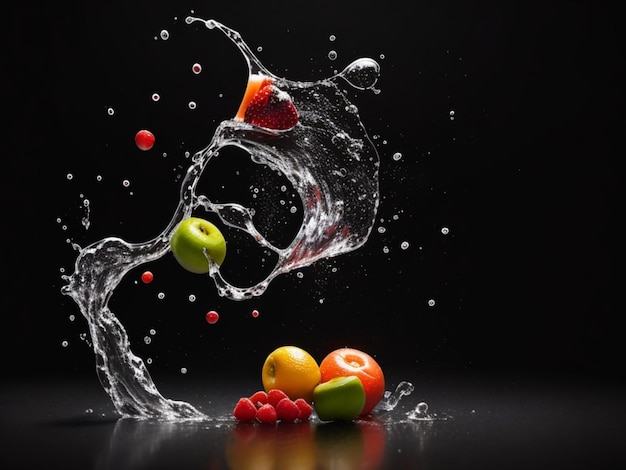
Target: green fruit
x,y
193,240
339,399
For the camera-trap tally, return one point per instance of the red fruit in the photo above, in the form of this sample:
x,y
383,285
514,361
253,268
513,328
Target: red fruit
x,y
259,398
271,108
305,409
266,414
245,410
345,362
287,410
144,139
275,395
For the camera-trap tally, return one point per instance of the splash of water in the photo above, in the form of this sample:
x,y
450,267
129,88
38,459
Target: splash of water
x,y
390,400
331,163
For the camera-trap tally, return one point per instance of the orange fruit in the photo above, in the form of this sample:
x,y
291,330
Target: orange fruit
x,y
292,370
255,83
349,361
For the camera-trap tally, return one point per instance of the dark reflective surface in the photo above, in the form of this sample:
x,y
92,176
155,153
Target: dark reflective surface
x,y
479,423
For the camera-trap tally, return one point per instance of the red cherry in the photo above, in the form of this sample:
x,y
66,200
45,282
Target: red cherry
x,y
147,277
144,139
212,317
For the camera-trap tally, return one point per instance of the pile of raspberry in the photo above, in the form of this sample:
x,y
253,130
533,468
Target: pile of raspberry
x,y
271,407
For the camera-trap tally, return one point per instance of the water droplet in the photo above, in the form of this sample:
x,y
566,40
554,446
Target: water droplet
x,y
160,296
70,177
152,331
431,303
397,156
147,339
445,230
65,343
110,111
255,313
332,55
192,105
332,37
156,97
192,298
362,73
404,245
165,35
126,183
196,68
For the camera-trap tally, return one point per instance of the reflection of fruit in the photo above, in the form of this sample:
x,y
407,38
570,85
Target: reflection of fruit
x,y
374,438
339,399
349,361
265,105
350,444
193,238
339,445
290,447
292,370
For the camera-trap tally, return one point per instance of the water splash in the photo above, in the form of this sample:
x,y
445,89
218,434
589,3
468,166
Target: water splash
x,y
390,400
327,157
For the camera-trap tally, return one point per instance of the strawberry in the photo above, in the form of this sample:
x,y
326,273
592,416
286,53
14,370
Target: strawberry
x,y
245,410
287,410
259,398
271,108
266,414
305,409
274,396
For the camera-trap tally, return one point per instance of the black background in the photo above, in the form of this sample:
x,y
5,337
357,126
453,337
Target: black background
x,y
524,177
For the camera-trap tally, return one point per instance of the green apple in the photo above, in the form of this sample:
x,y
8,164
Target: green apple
x,y
339,399
193,240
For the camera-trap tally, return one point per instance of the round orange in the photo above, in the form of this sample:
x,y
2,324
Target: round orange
x,y
292,370
349,361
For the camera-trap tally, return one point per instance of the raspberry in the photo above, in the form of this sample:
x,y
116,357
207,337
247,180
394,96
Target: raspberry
x,y
287,410
266,414
305,409
259,398
274,396
245,410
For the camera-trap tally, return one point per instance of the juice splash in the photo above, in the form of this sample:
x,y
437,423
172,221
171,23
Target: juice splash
x,y
331,163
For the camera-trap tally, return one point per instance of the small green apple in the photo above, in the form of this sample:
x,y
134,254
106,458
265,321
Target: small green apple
x,y
339,399
193,240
